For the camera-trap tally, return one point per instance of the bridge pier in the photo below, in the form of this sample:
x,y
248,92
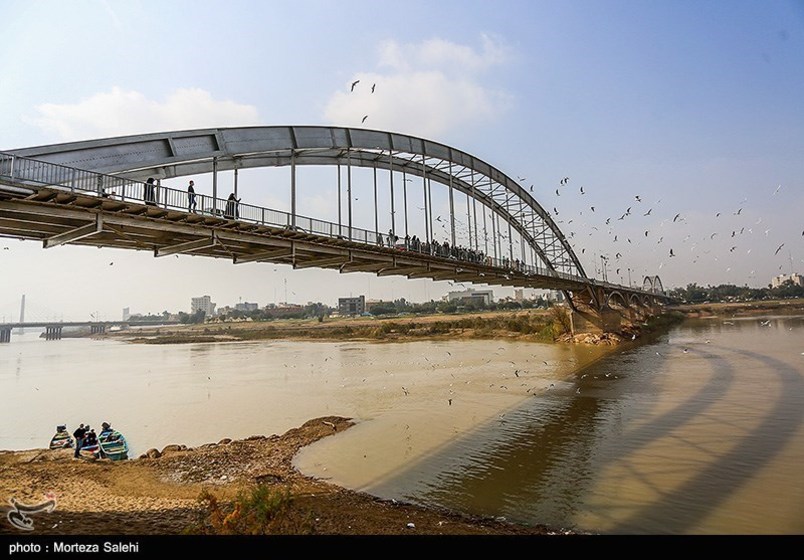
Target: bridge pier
x,y
595,321
53,332
97,329
5,335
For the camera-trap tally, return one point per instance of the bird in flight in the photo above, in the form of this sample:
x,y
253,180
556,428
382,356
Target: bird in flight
x,y
354,84
672,254
593,208
582,191
737,213
372,87
637,198
648,212
364,118
676,217
558,193
779,248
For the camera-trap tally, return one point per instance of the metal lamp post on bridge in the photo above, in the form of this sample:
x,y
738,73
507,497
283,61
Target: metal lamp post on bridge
x,y
604,264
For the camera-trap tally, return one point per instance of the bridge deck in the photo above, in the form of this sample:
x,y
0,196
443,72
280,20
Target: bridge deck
x,y
51,212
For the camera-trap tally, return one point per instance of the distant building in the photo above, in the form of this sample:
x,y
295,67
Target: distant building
x,y
246,306
797,279
352,305
555,296
126,314
485,296
280,311
203,303
519,295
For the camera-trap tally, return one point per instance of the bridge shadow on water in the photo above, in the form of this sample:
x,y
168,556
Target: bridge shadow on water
x,y
540,462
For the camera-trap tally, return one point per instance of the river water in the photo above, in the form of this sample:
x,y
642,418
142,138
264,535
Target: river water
x,y
697,431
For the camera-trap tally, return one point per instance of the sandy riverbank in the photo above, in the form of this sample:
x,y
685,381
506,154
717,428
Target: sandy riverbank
x,y
160,495
525,326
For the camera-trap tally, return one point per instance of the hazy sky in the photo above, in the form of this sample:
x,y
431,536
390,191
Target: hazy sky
x,y
695,107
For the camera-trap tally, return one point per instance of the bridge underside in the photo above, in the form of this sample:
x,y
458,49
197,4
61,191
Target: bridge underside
x,y
57,217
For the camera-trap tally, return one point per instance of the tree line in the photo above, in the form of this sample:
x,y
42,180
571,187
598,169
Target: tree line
x,y
694,293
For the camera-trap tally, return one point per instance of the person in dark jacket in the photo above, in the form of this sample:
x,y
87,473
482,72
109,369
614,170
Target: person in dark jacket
x,y
231,212
79,434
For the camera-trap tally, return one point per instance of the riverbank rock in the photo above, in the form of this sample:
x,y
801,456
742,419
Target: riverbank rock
x,y
225,441
611,339
173,448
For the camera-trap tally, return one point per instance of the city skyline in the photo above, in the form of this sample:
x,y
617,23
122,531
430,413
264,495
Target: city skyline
x,y
682,118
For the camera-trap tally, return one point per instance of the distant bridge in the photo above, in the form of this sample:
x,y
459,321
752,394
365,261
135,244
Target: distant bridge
x,y
53,329
93,193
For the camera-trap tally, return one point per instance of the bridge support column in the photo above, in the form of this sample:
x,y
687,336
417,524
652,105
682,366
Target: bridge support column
x,y
5,335
97,329
53,332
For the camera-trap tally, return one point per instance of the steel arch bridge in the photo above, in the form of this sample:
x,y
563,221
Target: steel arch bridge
x,y
94,193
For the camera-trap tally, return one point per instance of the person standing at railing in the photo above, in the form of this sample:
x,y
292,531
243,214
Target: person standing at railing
x,y
231,212
191,204
150,192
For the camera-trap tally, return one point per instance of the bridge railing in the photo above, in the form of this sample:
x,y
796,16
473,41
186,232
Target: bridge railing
x,y
35,173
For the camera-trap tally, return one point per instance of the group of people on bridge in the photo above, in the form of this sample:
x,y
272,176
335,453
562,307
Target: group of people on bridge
x,y
408,243
445,250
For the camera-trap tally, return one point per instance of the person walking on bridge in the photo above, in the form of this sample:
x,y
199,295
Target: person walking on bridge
x,y
191,204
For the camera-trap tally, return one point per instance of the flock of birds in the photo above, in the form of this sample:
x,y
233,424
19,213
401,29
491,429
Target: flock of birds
x,y
614,234
352,89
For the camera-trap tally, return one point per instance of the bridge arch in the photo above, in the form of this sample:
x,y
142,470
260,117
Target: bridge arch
x,y
190,152
617,297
